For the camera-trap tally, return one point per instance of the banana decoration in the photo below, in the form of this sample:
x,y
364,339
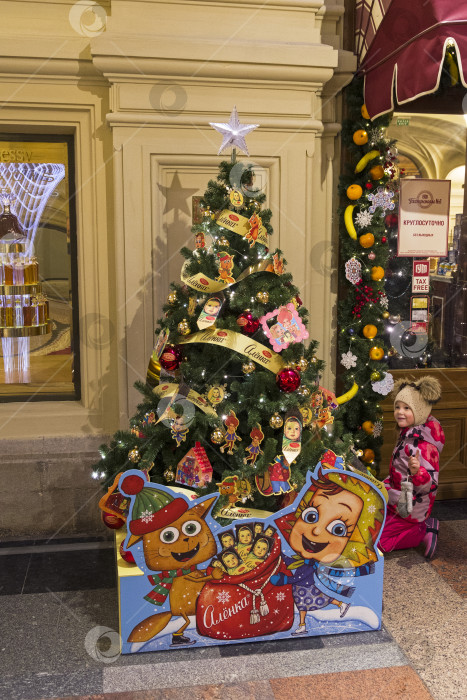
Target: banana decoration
x,y
348,394
348,221
453,70
363,162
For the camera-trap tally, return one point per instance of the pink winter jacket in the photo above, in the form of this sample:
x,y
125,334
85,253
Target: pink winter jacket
x,y
429,440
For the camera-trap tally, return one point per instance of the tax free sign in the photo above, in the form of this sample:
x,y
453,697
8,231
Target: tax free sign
x,y
423,218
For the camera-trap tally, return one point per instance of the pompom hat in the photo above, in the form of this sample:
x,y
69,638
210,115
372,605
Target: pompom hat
x,y
153,508
419,395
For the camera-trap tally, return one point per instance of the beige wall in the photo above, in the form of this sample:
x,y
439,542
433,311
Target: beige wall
x,y
137,82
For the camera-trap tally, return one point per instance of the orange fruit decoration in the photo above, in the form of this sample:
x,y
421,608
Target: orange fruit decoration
x,y
364,112
376,353
368,427
360,137
366,240
377,172
377,273
369,331
354,192
368,456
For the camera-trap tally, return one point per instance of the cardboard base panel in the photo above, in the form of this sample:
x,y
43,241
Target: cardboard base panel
x,y
317,571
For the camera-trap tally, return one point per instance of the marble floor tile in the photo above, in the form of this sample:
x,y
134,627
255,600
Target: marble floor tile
x,y
450,560
399,682
253,690
256,667
428,619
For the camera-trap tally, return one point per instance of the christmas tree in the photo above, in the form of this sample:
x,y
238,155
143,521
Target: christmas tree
x,y
233,382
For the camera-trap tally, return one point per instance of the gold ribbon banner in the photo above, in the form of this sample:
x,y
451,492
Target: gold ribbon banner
x,y
203,283
169,389
236,513
240,343
240,224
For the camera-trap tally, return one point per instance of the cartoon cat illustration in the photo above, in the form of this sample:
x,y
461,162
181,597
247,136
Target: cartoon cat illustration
x,y
176,538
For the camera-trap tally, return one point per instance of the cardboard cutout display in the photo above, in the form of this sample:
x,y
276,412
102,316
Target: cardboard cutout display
x,y
312,568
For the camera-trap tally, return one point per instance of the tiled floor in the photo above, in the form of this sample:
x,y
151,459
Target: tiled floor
x,y
51,600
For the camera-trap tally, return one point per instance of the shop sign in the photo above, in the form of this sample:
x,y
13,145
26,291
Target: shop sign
x,y
402,122
423,218
421,276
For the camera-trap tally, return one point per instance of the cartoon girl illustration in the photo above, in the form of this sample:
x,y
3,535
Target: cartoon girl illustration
x,y
227,539
260,550
292,429
216,395
279,474
337,523
258,528
257,436
226,264
245,540
179,430
285,317
210,312
230,437
231,560
199,240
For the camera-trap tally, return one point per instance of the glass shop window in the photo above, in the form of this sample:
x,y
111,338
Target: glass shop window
x,y
429,330
39,357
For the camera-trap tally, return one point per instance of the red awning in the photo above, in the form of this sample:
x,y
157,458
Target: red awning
x,y
408,48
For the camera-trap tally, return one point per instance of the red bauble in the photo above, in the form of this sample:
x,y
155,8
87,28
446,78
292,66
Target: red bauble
x,y
369,186
391,220
171,358
298,300
126,554
383,239
112,521
248,323
288,380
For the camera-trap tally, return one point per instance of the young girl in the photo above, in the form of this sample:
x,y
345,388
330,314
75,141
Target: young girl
x,y
414,466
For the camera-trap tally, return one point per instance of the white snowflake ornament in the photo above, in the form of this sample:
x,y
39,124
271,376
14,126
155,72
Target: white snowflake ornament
x,y
377,428
381,198
375,135
363,219
353,270
349,360
384,301
384,386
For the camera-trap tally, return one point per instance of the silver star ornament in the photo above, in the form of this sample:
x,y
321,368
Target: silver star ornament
x,y
234,133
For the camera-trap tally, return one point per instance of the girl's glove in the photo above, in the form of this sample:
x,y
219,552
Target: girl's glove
x,y
405,503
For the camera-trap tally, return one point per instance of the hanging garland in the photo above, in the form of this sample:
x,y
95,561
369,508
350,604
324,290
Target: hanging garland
x,y
369,193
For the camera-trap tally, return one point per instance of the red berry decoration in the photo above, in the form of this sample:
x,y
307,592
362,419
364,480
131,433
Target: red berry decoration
x,y
126,554
112,521
288,380
248,323
171,358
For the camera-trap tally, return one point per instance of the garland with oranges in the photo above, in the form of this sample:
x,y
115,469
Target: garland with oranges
x,y
368,191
